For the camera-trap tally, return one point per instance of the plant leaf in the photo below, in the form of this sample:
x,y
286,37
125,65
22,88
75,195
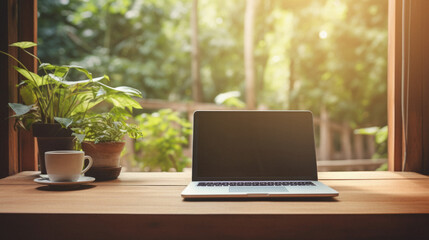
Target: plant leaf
x,y
124,101
61,71
47,66
65,122
129,91
83,70
221,98
123,89
86,105
20,109
79,137
381,135
101,92
367,131
33,77
23,45
56,78
27,94
120,112
70,83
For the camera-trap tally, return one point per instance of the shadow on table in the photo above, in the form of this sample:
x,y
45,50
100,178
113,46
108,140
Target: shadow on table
x,y
288,199
65,188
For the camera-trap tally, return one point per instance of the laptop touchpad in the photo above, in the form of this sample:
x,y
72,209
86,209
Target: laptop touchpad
x,y
257,189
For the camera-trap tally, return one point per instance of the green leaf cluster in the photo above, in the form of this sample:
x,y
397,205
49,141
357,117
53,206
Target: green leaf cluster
x,y
146,45
105,127
54,94
165,134
142,44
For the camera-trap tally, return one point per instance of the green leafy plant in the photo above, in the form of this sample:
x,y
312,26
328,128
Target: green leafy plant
x,y
164,135
54,97
105,127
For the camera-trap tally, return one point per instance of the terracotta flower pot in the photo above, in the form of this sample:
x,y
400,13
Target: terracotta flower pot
x,y
106,158
51,137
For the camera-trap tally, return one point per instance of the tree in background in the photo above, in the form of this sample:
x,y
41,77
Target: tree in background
x,y
144,44
197,88
340,60
316,54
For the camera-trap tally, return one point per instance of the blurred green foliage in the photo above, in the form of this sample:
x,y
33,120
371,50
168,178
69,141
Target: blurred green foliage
x,y
307,53
143,44
165,134
381,137
230,99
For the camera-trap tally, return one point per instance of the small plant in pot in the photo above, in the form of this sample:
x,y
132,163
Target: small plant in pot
x,y
101,137
58,96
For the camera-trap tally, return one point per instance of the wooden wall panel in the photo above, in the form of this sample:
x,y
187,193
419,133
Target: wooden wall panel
x,y
408,86
18,22
8,81
419,70
417,75
27,22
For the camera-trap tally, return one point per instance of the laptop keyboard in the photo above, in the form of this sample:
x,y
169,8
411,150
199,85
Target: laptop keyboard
x,y
225,184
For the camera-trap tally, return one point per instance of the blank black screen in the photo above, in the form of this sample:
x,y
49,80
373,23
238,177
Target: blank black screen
x,y
253,145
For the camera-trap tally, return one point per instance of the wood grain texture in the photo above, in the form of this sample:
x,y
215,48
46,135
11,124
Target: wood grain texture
x,y
4,112
408,54
136,226
408,75
366,196
27,31
421,45
378,205
356,197
183,178
125,178
415,68
8,82
394,73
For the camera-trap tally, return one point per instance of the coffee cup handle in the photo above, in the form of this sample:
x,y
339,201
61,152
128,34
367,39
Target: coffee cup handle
x,y
90,162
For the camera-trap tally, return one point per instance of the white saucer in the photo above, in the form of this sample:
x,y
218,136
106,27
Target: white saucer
x,y
80,181
44,176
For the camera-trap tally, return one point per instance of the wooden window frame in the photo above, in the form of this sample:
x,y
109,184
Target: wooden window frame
x,y
394,72
408,86
19,23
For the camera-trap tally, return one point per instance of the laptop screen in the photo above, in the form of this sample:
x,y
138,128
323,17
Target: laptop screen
x,y
253,145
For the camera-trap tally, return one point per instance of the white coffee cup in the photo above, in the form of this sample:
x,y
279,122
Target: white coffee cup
x,y
66,165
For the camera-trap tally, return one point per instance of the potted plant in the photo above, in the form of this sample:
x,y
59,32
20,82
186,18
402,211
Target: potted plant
x,y
101,137
54,96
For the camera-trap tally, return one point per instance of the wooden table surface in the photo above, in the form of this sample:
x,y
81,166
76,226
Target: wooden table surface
x,y
137,205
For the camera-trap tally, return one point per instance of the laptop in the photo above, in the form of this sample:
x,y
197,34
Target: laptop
x,y
254,154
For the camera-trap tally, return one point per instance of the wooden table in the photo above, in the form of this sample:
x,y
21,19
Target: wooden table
x,y
371,205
